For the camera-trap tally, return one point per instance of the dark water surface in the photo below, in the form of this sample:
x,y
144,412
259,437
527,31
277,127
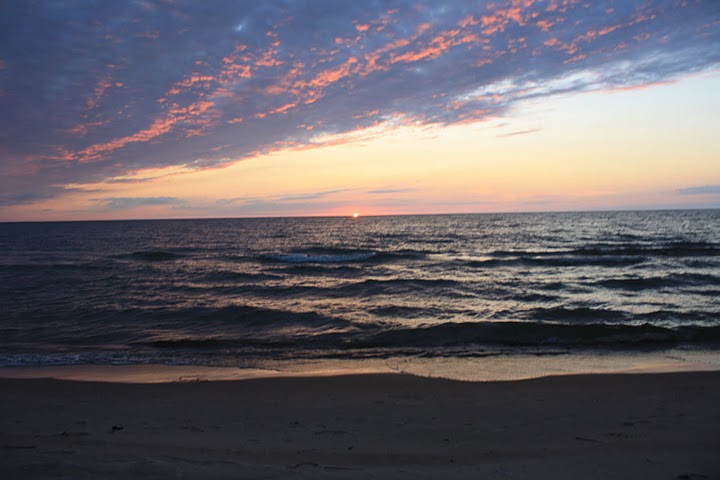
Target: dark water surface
x,y
235,292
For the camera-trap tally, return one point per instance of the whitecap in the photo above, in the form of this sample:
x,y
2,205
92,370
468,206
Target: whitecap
x,y
322,258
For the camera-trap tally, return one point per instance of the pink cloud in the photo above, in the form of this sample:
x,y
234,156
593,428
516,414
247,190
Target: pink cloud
x,y
331,75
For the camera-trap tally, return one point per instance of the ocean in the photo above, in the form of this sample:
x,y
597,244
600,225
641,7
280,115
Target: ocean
x,y
397,291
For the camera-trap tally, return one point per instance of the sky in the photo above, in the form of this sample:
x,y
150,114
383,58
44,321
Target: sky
x,y
233,108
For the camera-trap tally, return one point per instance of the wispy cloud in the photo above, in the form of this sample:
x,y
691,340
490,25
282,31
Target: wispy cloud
x,y
313,196
133,202
167,83
287,199
385,191
702,190
22,198
520,132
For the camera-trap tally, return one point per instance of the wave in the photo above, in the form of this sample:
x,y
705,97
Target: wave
x,y
601,255
322,257
372,287
658,282
245,316
582,316
350,270
345,288
186,342
425,312
575,314
544,260
544,334
223,276
468,335
153,256
70,265
673,249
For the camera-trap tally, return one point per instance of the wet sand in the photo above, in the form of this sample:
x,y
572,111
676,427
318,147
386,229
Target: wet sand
x,y
635,426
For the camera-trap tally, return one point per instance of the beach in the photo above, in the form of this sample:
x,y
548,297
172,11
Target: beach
x,y
621,426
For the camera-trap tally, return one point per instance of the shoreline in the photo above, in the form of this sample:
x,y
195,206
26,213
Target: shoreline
x,y
487,369
617,426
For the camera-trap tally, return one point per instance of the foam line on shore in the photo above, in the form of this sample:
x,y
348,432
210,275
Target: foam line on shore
x,y
482,370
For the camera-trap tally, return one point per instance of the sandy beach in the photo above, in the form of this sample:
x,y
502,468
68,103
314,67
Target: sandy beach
x,y
365,426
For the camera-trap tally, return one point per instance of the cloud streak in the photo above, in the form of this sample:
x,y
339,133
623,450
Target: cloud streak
x,y
134,202
179,83
386,191
703,190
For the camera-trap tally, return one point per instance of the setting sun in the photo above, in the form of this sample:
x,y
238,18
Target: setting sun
x,y
356,215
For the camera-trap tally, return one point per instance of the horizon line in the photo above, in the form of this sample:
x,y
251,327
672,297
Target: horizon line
x,y
350,215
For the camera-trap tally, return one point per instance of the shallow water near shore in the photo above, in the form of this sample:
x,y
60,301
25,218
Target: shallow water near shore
x,y
508,368
458,296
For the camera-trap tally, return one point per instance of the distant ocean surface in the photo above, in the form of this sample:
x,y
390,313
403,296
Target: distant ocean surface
x,y
241,292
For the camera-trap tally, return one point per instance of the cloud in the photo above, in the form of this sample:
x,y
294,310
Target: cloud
x,y
286,200
259,207
313,196
29,198
133,202
20,198
520,132
385,191
702,190
167,83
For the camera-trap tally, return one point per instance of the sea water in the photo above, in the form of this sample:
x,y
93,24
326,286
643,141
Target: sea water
x,y
427,294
